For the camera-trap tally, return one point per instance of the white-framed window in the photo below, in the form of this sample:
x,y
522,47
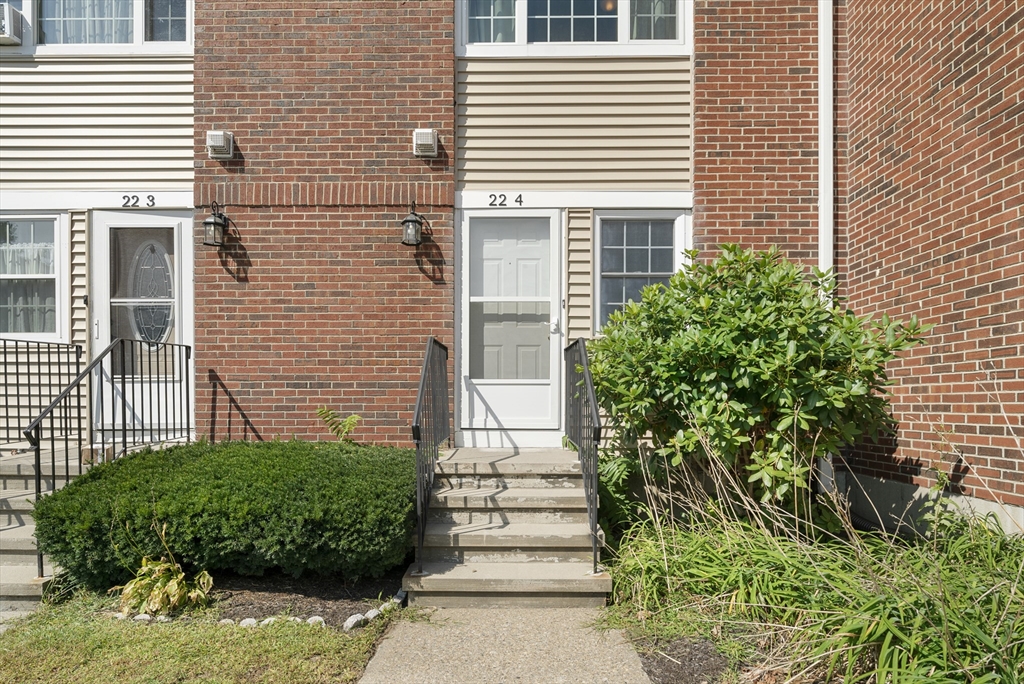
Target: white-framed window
x,y
634,249
33,283
105,27
526,28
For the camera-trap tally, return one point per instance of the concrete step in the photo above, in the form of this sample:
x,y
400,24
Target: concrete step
x,y
506,584
537,516
17,500
475,461
18,546
520,481
20,588
501,535
505,498
507,528
460,554
16,518
19,471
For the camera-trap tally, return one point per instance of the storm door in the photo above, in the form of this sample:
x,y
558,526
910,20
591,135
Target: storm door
x,y
143,386
511,342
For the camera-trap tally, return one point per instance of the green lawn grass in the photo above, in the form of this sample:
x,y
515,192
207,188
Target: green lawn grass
x,y
80,642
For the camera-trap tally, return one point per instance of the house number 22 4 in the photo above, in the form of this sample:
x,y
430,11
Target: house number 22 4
x,y
502,200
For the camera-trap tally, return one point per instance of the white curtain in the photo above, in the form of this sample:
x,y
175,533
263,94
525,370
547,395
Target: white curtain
x,y
86,21
653,20
27,304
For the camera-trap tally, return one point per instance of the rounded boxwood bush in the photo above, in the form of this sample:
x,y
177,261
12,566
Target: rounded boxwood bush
x,y
240,506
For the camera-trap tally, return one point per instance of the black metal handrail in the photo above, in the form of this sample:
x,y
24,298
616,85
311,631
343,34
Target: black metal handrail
x,y
430,426
140,394
583,428
33,372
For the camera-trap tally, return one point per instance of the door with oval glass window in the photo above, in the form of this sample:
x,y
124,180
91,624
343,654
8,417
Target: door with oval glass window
x,y
137,287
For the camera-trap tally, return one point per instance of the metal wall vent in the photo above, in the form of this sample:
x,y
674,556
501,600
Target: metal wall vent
x,y
424,142
220,144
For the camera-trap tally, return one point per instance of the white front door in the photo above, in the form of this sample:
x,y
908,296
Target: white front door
x,y
510,361
141,270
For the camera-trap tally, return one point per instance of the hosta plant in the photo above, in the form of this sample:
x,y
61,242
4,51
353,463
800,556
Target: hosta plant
x,y
160,587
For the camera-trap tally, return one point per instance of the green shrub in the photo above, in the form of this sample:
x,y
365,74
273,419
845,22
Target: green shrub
x,y
245,507
746,359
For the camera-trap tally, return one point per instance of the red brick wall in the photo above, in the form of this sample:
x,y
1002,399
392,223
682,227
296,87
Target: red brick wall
x,y
755,125
932,206
316,302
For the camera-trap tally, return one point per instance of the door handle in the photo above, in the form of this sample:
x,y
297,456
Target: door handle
x,y
554,326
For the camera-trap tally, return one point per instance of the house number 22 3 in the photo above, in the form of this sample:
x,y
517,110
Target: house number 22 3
x,y
133,201
502,200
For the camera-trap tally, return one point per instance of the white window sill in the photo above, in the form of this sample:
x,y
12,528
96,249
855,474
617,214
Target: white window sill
x,y
541,50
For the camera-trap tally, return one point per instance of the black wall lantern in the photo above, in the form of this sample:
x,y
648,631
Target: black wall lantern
x,y
214,227
412,227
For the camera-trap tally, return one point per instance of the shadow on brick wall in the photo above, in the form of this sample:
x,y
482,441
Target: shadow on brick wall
x,y
234,257
228,420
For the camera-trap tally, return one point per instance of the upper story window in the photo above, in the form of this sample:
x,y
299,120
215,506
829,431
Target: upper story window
x,y
492,21
106,26
571,21
653,20
517,28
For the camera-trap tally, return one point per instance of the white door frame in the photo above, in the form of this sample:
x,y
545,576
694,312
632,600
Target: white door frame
x,y
550,434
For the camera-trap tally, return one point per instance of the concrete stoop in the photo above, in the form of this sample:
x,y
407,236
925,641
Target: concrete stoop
x,y
20,587
507,528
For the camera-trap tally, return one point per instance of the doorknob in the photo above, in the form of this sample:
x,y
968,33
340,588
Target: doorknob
x,y
554,326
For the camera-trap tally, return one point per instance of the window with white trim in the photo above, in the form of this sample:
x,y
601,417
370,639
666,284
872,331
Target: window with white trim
x,y
634,250
31,278
106,26
572,27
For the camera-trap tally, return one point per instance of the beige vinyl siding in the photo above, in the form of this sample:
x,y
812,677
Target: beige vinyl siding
x,y
580,287
106,124
621,123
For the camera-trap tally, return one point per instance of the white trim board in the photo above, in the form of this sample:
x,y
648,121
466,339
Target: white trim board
x,y
558,199
61,200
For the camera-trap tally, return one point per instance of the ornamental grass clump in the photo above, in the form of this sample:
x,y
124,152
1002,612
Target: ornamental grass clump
x,y
747,360
945,606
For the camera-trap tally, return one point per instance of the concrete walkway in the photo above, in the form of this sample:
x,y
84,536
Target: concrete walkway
x,y
504,645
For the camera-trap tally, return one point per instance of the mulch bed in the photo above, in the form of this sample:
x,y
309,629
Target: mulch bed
x,y
332,598
682,661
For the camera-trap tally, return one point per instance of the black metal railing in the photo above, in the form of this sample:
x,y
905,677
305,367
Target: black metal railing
x,y
33,374
583,429
430,427
137,394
